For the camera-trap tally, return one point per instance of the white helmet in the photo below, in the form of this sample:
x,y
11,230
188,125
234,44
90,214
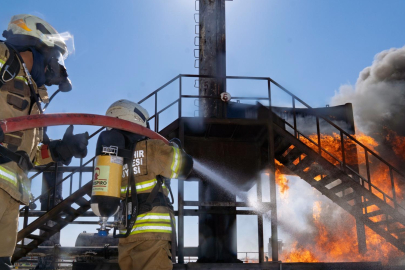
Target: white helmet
x,y
130,111
28,29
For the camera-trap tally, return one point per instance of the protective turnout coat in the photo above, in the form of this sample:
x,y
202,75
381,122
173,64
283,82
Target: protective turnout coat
x,y
15,100
153,158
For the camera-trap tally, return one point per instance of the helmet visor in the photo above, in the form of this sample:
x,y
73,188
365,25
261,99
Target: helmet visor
x,y
64,42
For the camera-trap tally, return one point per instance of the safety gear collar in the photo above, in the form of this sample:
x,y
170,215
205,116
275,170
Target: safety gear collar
x,y
38,67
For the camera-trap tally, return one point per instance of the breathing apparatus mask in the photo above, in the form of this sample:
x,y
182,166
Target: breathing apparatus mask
x,y
49,51
56,74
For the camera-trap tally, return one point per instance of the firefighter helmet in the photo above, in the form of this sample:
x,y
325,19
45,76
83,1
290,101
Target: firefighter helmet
x,y
130,111
25,29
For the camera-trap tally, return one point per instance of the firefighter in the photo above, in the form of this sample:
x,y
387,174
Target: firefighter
x,y
151,165
30,58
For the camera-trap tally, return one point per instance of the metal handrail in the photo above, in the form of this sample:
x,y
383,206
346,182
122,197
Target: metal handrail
x,y
69,176
297,133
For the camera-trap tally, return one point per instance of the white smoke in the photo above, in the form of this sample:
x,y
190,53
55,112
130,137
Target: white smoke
x,y
378,96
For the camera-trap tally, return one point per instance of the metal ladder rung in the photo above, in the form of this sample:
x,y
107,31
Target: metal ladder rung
x,y
82,202
339,188
47,228
375,213
350,196
22,246
36,237
70,211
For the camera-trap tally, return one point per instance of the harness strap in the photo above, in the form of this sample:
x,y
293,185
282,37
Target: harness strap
x,y
10,68
20,157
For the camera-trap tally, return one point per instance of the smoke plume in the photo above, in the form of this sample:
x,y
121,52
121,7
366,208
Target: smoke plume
x,y
378,96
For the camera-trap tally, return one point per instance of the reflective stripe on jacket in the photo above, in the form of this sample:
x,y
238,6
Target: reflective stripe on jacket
x,y
152,158
15,100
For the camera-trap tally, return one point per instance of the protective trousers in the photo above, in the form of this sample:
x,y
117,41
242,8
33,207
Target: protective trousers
x,y
145,255
8,228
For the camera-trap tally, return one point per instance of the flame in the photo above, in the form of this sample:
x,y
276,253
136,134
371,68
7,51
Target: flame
x,y
299,254
334,239
337,242
397,142
316,210
355,157
281,180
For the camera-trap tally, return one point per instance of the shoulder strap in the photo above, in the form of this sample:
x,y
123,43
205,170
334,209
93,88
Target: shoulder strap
x,y
20,157
11,68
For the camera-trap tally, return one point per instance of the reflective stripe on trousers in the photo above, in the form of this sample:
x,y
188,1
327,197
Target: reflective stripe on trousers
x,y
152,222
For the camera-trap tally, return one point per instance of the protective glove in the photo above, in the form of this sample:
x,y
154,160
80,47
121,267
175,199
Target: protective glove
x,y
70,146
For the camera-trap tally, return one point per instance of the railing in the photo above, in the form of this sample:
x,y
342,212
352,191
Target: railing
x,y
53,190
364,181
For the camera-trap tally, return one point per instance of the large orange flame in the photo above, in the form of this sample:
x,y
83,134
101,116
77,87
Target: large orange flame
x,y
337,241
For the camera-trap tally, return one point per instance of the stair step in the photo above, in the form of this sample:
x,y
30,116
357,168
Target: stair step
x,y
22,246
36,237
82,201
293,154
384,222
60,221
350,196
305,163
327,180
375,213
47,228
281,147
368,203
397,230
340,187
70,211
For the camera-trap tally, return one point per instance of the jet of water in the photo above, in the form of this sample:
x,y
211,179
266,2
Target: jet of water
x,y
219,180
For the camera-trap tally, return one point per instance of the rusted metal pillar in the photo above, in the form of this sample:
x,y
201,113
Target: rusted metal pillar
x,y
217,232
212,57
272,176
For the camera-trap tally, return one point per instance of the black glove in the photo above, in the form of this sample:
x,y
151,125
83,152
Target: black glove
x,y
70,146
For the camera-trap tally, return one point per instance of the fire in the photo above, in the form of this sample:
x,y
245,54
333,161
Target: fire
x,y
355,157
335,240
332,147
397,142
333,237
299,254
281,180
316,210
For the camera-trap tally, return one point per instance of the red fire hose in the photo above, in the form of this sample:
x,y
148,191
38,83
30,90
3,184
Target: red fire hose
x,y
56,119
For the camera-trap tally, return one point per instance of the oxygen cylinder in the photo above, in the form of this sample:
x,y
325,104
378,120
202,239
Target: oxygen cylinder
x,y
105,196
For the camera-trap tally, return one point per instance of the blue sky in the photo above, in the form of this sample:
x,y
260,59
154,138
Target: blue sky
x,y
126,49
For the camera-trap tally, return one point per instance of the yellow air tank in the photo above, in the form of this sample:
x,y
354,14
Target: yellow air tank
x,y
105,196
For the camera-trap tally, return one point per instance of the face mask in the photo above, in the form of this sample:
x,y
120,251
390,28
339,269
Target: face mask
x,y
38,68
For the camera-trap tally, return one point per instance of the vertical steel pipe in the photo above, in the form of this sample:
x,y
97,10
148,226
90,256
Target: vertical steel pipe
x,y
180,203
272,176
260,220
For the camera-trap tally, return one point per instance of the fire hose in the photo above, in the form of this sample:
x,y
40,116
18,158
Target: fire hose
x,y
56,119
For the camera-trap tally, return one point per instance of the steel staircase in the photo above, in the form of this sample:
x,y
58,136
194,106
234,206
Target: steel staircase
x,y
61,215
342,187
341,184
